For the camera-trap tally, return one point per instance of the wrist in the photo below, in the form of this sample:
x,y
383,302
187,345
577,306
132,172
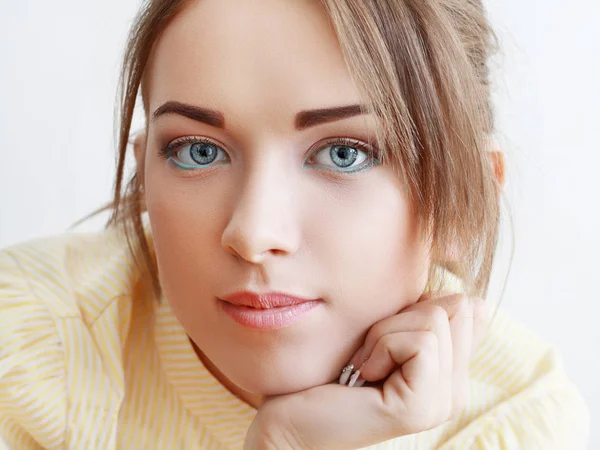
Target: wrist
x,y
268,435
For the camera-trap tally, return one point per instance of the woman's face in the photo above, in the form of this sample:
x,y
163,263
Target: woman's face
x,y
271,202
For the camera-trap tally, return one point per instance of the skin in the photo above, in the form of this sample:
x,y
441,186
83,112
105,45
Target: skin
x,y
270,215
416,365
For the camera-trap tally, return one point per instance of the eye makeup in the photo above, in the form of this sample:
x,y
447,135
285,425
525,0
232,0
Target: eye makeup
x,y
348,148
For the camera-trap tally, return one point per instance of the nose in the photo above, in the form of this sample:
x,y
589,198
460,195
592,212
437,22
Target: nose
x,y
263,222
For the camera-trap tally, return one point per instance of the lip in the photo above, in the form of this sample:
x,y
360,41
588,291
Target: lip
x,y
269,310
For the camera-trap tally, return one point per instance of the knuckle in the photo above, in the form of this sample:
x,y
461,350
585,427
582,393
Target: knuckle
x,y
458,300
383,346
376,332
427,341
385,342
438,315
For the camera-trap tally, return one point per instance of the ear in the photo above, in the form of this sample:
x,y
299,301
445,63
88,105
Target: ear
x,y
139,151
498,163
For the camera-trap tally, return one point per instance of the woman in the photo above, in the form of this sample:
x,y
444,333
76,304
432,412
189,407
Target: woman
x,y
322,211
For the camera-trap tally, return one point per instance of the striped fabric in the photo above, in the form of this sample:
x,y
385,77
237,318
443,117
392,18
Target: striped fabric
x,y
86,363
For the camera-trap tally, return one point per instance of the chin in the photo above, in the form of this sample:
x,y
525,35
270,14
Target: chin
x,y
271,380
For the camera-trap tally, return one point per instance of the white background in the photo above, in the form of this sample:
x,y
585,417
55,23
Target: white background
x,y
59,64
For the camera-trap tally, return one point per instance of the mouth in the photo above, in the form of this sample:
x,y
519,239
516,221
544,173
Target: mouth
x,y
266,311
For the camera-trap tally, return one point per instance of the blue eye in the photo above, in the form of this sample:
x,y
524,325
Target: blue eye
x,y
347,155
340,155
194,153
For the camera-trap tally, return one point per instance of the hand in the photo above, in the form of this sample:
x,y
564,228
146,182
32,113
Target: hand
x,y
415,372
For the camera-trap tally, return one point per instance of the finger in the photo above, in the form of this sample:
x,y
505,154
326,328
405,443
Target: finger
x,y
468,321
395,323
429,295
410,321
405,404
414,355
481,321
461,330
460,310
425,318
451,303
429,319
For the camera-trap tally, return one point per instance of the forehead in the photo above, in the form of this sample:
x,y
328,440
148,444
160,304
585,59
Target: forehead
x,y
275,57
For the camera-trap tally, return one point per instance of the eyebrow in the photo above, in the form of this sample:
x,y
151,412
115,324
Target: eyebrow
x,y
304,119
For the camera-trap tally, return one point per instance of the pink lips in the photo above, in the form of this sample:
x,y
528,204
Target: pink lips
x,y
266,311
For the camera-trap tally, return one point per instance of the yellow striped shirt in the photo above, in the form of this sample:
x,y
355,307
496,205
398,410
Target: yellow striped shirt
x,y
85,363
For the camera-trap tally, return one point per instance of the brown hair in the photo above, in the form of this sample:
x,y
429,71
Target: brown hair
x,y
421,66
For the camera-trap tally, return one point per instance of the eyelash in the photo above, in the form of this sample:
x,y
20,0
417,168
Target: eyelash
x,y
371,161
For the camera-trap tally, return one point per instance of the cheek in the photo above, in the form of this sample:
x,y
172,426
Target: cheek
x,y
375,254
186,225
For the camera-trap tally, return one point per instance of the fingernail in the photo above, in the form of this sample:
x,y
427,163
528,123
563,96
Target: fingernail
x,y
353,378
346,371
358,355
